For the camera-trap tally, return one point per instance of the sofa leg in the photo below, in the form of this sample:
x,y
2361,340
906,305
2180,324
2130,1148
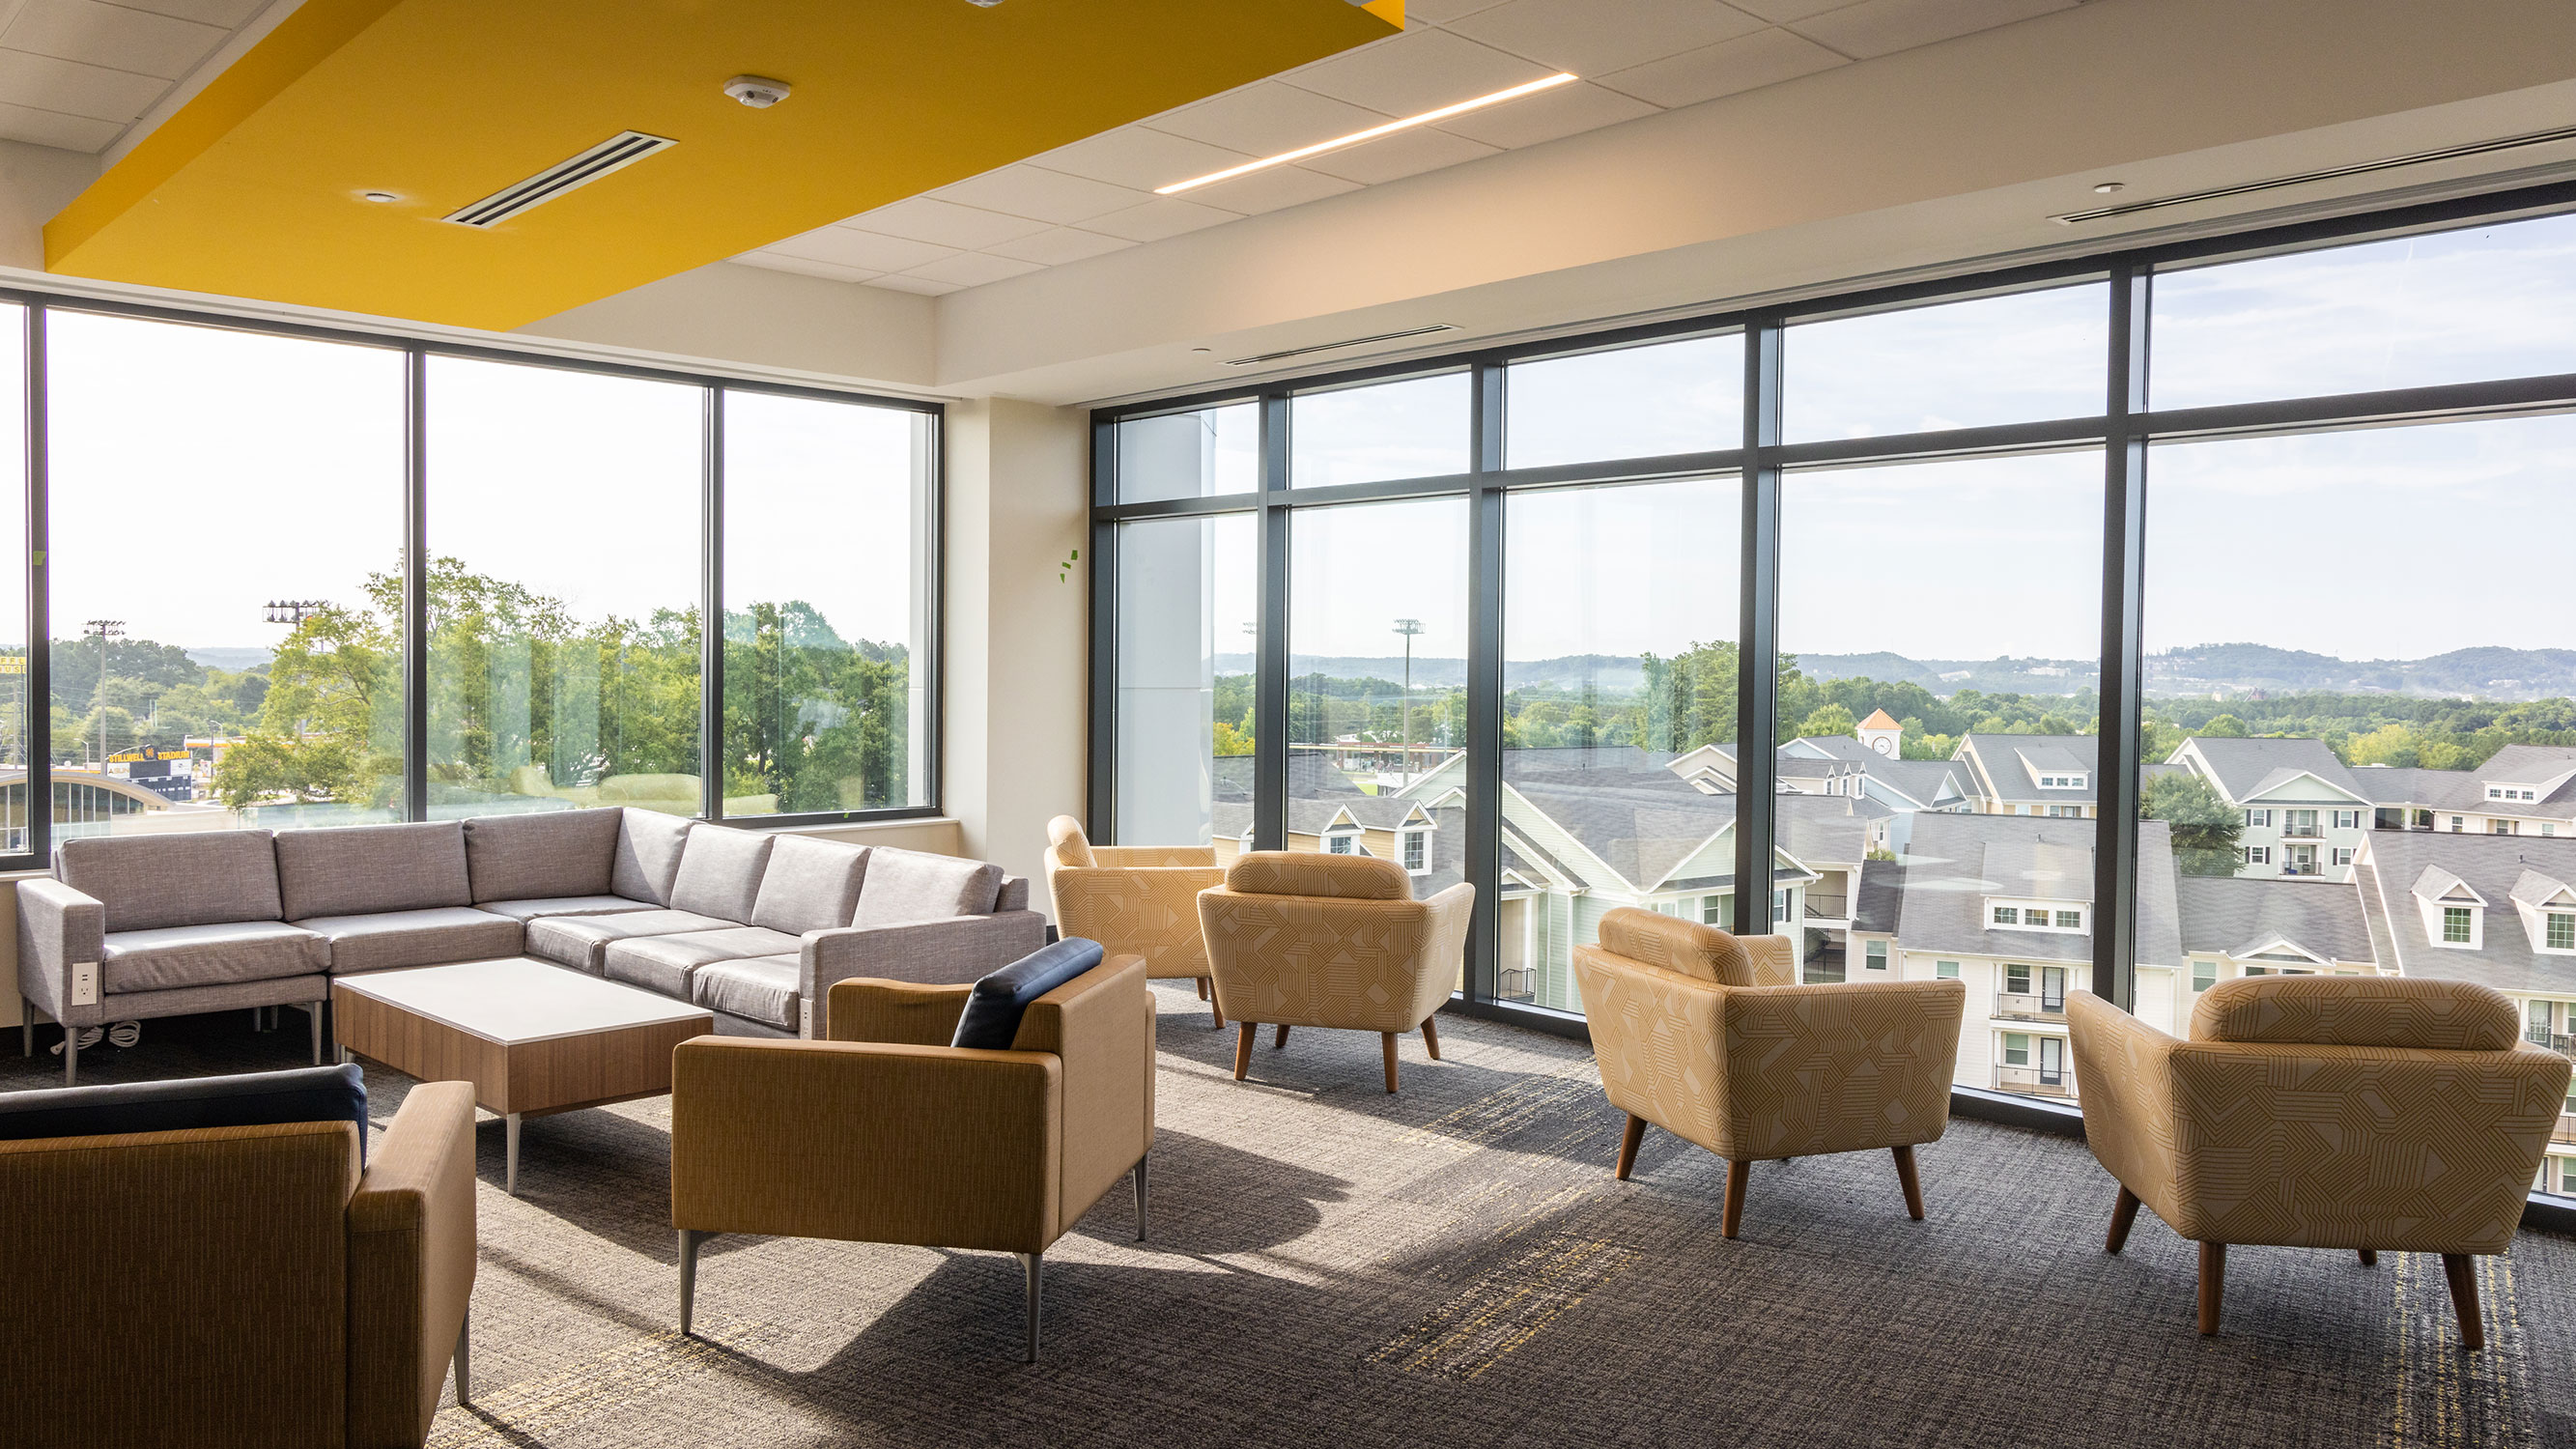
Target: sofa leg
x,y
2213,1285
314,1012
71,1056
26,1026
1387,1038
2463,1274
1738,1171
1029,1266
1279,1037
1431,1038
2370,1257
1628,1144
689,1240
1139,1175
465,1360
1908,1180
1243,1048
510,1158
2124,1216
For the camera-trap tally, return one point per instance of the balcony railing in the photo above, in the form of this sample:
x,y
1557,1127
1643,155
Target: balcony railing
x,y
2303,867
2301,830
2028,1082
2029,1006
1828,908
2559,1042
2566,1128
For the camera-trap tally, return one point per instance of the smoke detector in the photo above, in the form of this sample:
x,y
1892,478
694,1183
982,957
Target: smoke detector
x,y
757,92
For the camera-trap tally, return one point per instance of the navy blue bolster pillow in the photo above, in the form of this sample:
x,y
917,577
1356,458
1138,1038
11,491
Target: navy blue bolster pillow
x,y
254,1099
992,1017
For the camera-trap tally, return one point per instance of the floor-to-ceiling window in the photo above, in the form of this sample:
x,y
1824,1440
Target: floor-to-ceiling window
x,y
17,781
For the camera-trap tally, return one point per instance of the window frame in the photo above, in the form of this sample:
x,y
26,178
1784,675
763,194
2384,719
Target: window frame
x,y
418,488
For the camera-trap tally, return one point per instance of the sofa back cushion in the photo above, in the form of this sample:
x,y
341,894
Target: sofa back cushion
x,y
810,885
2358,1011
541,854
649,844
720,872
365,869
991,1021
1704,952
254,1099
149,882
1312,873
909,885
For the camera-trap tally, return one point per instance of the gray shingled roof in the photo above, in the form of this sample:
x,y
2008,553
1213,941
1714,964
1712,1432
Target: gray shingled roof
x,y
2531,764
2490,865
1956,861
1882,898
2251,769
2011,764
2236,915
1840,747
1622,803
1823,828
1921,780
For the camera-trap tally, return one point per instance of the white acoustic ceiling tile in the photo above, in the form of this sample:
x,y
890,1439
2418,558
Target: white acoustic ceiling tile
x,y
53,128
1064,244
1270,189
1139,157
1884,27
1161,217
1040,194
1406,153
780,262
922,285
112,36
1266,118
973,269
48,84
1766,57
1778,11
945,223
1441,12
1595,37
1563,111
865,250
230,14
1420,70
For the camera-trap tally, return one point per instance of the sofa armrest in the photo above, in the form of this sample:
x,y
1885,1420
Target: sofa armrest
x,y
1839,1068
1113,857
949,952
864,1009
1148,911
411,1265
2124,1081
867,1142
1013,896
59,928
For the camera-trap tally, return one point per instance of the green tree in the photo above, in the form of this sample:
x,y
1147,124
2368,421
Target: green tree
x,y
1827,721
1232,741
334,682
2225,727
2205,827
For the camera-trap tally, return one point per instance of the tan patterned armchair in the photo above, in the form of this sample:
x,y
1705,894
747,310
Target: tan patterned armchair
x,y
1135,900
887,1134
1295,938
1707,1036
2366,1113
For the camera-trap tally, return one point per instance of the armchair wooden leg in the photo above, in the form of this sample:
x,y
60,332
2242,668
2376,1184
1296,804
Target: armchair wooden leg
x,y
1201,984
1387,1038
1431,1037
689,1240
2370,1257
1030,1265
1635,1134
1905,1178
2464,1299
1216,1008
2124,1216
2213,1285
1243,1049
1738,1169
1279,1037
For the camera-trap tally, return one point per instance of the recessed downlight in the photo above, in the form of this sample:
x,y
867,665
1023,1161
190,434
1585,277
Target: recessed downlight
x,y
379,197
2107,187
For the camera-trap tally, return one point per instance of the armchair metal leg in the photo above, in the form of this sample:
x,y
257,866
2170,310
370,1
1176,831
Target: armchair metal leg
x,y
315,1012
689,1240
1628,1144
1030,1265
1139,1175
26,1026
71,1056
2463,1275
2213,1285
2124,1215
465,1360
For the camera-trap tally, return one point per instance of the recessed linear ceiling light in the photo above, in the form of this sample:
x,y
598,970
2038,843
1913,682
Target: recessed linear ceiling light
x,y
1371,134
614,154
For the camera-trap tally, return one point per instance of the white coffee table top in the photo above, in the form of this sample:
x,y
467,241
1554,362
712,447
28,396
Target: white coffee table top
x,y
517,999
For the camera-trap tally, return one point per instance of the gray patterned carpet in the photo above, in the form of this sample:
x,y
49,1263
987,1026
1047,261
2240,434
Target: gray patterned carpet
x,y
1454,1265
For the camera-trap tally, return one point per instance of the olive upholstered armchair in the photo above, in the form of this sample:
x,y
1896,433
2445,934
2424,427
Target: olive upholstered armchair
x,y
1135,900
2363,1113
1708,1037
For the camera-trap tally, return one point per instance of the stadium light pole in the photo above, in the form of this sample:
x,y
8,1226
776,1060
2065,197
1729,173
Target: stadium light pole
x,y
1404,748
105,629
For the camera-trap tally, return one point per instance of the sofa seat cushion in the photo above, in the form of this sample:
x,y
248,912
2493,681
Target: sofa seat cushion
x,y
663,963
565,906
763,989
210,955
387,939
541,853
901,887
581,942
148,882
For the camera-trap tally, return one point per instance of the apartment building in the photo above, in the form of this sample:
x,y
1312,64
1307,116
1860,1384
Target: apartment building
x,y
2520,790
2304,812
2045,775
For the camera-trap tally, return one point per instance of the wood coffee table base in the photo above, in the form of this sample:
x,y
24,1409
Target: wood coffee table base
x,y
578,1045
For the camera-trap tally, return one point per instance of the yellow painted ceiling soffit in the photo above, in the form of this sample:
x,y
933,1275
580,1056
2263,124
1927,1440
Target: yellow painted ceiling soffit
x,y
253,188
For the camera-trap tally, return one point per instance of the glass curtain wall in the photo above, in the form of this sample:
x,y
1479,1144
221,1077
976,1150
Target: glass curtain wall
x,y
826,705
226,520
16,722
1187,612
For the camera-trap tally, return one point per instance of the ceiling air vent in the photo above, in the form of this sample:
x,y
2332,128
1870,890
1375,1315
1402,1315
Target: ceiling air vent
x,y
2359,168
621,150
1345,342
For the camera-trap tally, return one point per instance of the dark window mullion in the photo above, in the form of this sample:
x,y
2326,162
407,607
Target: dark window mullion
x,y
2117,750
1270,662
415,595
1485,625
1758,649
40,653
1100,805
711,641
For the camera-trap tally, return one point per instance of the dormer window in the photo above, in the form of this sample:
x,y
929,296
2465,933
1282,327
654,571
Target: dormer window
x,y
2560,933
2061,782
2459,925
1417,852
2029,917
1344,843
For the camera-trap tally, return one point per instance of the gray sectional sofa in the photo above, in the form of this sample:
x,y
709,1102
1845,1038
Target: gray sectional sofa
x,y
755,926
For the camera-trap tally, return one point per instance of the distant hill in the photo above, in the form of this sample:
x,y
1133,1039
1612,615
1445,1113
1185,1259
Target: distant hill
x,y
232,659
1946,677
